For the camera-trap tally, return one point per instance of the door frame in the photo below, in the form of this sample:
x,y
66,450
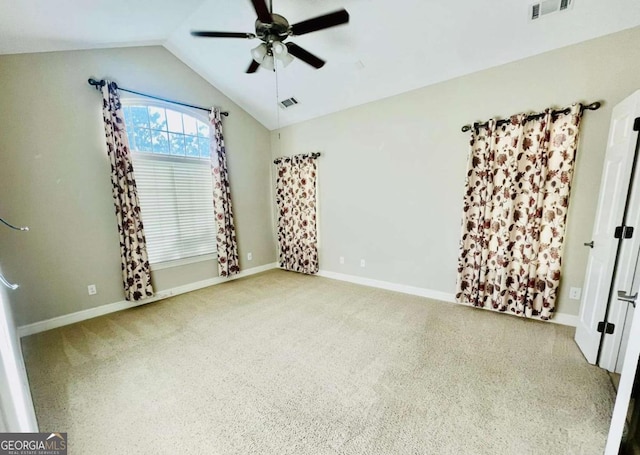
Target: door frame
x,y
16,405
625,388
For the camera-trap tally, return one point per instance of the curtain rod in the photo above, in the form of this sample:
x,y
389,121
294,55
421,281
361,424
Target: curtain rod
x,y
589,107
100,84
312,155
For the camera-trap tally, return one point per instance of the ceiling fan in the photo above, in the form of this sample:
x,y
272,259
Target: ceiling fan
x,y
273,29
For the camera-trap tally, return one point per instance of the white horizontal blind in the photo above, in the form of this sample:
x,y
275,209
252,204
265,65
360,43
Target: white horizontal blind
x,y
176,199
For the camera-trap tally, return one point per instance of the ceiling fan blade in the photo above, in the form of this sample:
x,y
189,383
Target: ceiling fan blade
x,y
320,22
253,67
305,55
262,11
206,34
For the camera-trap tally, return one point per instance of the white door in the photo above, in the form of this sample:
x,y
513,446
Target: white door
x,y
612,199
626,280
16,408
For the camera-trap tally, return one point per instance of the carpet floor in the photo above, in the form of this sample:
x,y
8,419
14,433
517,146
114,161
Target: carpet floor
x,y
282,363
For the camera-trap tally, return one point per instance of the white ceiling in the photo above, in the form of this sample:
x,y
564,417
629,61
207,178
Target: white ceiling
x,y
389,47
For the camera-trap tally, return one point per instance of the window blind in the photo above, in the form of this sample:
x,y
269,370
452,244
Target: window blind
x,y
177,207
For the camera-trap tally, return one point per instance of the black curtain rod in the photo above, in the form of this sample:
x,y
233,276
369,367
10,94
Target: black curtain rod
x,y
589,107
99,84
312,155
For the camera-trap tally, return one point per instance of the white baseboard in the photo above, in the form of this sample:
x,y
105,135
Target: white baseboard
x,y
558,318
101,310
41,326
422,292
565,319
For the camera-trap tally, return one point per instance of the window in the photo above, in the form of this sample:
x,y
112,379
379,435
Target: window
x,y
170,151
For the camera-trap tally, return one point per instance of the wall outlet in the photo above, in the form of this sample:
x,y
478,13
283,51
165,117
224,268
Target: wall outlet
x,y
341,259
250,256
362,263
574,293
92,289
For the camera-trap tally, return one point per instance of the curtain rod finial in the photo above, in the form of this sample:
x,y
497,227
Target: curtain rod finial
x,y
466,128
95,83
594,106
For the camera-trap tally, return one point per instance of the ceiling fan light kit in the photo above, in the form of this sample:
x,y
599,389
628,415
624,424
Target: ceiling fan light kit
x,y
267,55
279,49
273,29
285,59
258,53
268,63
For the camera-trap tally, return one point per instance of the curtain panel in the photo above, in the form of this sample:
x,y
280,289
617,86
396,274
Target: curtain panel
x,y
297,218
226,243
515,209
136,273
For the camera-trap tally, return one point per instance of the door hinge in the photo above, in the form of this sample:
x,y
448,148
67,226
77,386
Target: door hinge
x,y
606,327
636,124
625,232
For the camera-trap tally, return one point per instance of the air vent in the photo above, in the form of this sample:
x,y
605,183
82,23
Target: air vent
x,y
289,102
546,7
535,11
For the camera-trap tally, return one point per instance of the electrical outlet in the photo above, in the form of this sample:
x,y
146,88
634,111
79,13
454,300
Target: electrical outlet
x,y
362,263
341,259
250,256
574,293
92,289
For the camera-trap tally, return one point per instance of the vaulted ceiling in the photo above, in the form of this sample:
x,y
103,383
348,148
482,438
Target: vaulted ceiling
x,y
389,47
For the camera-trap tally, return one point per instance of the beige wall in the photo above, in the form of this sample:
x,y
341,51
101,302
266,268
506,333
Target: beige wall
x,y
391,174
392,171
54,175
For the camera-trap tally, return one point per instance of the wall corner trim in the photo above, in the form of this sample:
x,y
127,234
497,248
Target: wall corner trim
x,y
101,310
559,318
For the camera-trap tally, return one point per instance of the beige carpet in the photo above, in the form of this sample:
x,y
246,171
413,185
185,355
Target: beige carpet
x,y
281,363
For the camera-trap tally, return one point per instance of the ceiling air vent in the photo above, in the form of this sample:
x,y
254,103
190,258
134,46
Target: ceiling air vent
x,y
289,102
546,7
535,11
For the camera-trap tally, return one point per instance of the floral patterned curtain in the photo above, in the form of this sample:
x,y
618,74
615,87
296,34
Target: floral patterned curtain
x,y
228,263
136,272
515,209
296,200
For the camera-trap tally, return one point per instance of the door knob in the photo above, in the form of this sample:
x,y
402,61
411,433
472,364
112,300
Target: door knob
x,y
624,297
589,244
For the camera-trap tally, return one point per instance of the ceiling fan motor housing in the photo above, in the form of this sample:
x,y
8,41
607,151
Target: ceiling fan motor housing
x,y
278,30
